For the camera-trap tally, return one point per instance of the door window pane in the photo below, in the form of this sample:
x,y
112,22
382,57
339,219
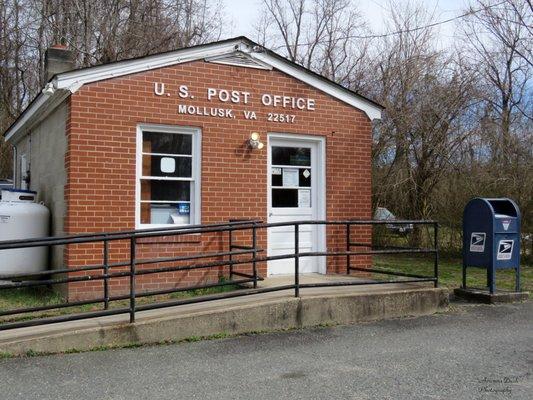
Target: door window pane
x,y
291,156
284,197
277,180
304,177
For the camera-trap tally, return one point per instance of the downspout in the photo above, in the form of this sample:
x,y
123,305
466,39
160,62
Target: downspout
x,y
28,166
14,166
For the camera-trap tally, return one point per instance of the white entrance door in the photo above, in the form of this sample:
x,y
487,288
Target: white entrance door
x,y
295,193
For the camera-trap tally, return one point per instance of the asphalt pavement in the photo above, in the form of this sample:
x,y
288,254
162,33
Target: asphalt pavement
x,y
470,352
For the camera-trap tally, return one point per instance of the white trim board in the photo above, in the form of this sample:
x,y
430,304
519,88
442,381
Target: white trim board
x,y
66,83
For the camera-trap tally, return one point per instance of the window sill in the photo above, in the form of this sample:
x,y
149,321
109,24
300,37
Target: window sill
x,y
184,238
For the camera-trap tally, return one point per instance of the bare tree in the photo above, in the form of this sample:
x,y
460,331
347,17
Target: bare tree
x,y
426,94
15,70
498,41
522,14
97,31
108,30
318,35
495,42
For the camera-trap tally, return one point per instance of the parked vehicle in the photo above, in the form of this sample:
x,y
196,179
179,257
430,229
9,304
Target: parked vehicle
x,y
383,214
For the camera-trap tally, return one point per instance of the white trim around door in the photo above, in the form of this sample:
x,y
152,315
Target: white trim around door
x,y
300,182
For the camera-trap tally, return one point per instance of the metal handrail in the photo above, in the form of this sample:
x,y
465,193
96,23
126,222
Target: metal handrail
x,y
139,233
184,230
235,249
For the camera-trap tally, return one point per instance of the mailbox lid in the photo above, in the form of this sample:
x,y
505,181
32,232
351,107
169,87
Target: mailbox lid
x,y
505,224
506,216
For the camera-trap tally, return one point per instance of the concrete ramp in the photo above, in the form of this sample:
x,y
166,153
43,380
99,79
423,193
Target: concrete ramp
x,y
251,314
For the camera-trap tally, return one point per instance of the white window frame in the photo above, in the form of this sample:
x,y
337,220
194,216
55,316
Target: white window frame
x,y
195,204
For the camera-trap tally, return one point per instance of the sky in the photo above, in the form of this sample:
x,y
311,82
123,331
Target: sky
x,y
243,14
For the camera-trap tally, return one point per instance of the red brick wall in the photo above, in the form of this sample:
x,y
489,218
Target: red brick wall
x,y
101,159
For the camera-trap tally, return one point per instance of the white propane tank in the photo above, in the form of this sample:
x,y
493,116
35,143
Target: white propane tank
x,y
22,218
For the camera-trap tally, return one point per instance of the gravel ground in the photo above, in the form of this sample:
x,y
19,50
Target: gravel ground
x,y
470,352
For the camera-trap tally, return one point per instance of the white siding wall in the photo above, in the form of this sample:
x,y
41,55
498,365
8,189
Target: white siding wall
x,y
45,149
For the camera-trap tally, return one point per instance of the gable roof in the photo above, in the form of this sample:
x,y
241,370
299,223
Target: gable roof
x,y
235,51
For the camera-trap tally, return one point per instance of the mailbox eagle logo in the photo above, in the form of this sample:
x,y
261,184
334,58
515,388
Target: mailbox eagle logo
x,y
505,249
477,242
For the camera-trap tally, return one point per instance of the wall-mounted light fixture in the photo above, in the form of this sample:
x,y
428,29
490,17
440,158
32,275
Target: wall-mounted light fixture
x,y
49,89
254,141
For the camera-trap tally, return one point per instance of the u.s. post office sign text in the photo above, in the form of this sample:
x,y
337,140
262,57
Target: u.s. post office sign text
x,y
286,104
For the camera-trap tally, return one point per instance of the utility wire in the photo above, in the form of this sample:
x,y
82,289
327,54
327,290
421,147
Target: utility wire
x,y
418,28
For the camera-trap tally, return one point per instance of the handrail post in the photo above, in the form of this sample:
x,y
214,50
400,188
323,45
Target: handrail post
x,y
230,239
254,245
132,278
296,260
436,247
106,273
348,248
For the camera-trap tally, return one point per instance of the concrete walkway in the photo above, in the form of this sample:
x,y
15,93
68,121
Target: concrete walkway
x,y
259,312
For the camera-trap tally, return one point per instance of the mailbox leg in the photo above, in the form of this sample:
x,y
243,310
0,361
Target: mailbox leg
x,y
490,280
517,277
464,276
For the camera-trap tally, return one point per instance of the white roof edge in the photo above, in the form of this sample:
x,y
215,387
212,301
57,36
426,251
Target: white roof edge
x,y
75,79
69,82
24,118
37,110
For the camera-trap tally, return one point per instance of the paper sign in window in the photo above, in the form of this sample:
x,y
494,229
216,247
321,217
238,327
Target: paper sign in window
x,y
304,198
168,165
184,208
290,177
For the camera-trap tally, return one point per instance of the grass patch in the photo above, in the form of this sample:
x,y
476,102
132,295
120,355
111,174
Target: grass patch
x,y
450,274
192,339
11,299
28,297
204,292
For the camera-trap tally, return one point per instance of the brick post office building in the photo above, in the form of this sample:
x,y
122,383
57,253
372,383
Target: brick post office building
x,y
221,131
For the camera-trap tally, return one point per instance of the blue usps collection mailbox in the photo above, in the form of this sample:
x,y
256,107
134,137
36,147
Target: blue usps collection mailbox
x,y
491,238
